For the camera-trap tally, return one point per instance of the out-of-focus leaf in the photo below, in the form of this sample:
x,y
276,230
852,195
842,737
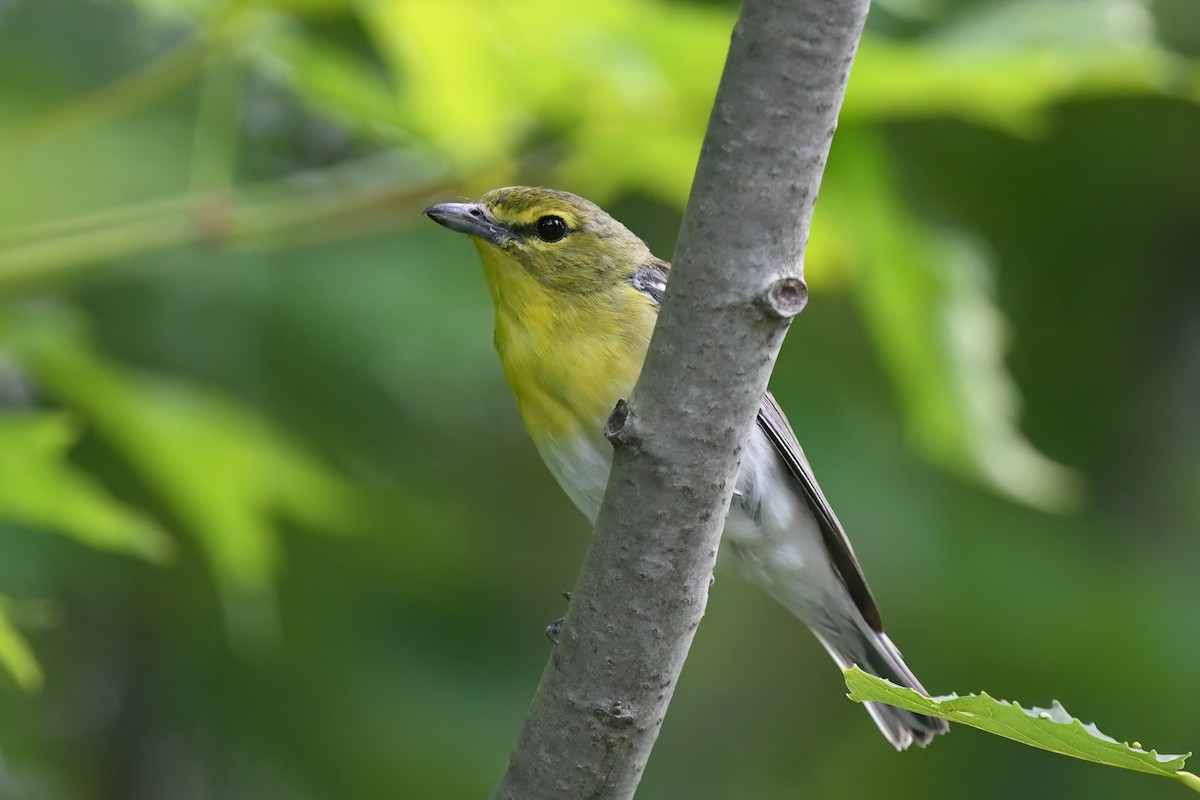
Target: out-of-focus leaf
x,y
337,83
16,657
222,472
39,487
626,73
926,297
629,83
1009,88
607,72
469,91
612,159
1050,729
1064,25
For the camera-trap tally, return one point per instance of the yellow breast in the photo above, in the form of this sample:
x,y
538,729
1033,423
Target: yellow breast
x,y
567,357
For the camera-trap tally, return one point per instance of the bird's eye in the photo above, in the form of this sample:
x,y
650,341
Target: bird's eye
x,y
551,228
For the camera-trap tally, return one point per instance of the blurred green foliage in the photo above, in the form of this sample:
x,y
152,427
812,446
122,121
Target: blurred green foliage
x,y
41,488
222,328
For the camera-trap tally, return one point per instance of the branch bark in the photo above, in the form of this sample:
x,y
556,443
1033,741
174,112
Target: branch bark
x,y
737,283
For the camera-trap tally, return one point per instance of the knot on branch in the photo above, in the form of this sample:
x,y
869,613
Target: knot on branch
x,y
615,715
785,298
622,428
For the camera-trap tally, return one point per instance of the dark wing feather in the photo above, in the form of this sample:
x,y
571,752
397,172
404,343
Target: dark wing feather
x,y
651,280
775,425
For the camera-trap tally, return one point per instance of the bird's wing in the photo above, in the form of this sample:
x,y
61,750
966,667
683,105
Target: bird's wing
x,y
775,425
651,279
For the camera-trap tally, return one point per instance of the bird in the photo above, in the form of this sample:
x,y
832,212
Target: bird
x,y
576,296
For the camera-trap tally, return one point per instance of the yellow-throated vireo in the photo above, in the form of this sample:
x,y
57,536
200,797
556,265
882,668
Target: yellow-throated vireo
x,y
576,296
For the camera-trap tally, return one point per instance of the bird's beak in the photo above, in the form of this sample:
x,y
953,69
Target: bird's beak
x,y
472,219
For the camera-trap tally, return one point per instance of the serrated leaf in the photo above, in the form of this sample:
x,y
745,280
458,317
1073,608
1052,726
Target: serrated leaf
x,y
1050,729
16,656
41,488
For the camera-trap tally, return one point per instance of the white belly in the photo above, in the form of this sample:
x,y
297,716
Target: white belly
x,y
770,532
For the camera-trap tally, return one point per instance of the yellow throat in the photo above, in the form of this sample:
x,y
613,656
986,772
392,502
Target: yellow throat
x,y
568,359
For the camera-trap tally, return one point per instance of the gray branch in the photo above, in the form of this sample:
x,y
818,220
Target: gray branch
x,y
737,284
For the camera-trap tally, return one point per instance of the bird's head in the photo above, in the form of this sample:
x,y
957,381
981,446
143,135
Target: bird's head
x,y
566,243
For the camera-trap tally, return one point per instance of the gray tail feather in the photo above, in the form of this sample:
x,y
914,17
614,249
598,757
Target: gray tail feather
x,y
874,652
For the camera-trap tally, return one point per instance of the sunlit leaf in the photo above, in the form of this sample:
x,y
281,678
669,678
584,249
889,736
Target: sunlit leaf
x,y
1010,88
454,87
1050,729
927,298
646,68
41,488
651,68
16,657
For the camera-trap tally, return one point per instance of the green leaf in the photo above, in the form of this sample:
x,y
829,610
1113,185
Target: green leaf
x,y
635,72
1050,729
1009,88
927,298
41,488
611,77
606,76
223,473
336,82
15,654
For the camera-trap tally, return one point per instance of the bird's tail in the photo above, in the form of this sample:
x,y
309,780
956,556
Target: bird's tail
x,y
874,653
